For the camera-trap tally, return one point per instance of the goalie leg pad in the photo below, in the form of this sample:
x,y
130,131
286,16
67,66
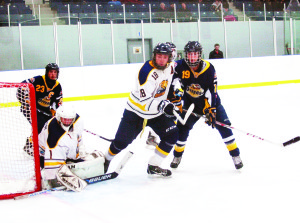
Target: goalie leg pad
x,y
92,166
70,180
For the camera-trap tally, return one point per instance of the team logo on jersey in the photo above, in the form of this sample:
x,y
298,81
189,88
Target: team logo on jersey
x,y
195,90
45,101
32,79
161,89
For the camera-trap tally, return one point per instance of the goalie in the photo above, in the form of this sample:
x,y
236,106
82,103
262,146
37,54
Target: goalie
x,y
65,159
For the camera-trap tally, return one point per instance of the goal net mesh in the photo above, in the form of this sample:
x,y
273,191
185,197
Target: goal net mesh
x,y
19,170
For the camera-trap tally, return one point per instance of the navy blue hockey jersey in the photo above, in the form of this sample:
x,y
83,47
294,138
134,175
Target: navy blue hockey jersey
x,y
198,86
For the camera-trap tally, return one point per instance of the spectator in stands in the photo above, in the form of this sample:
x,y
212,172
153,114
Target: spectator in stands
x,y
226,9
163,7
228,13
216,53
164,12
216,6
115,2
186,13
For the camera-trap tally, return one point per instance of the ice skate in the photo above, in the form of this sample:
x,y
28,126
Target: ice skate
x,y
151,140
156,170
237,162
176,161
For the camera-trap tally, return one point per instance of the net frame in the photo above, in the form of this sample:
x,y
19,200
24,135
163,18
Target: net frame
x,y
34,133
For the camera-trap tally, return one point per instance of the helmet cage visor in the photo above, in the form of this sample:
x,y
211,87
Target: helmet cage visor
x,y
192,58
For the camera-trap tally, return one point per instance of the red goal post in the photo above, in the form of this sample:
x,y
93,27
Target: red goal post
x,y
19,172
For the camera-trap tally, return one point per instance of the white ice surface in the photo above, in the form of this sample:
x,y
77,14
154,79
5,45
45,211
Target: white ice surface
x,y
206,187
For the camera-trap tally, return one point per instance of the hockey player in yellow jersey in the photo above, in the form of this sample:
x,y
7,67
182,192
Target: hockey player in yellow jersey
x,y
148,106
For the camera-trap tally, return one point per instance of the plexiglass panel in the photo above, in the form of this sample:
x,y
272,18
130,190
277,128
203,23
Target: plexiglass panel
x,y
10,53
68,46
38,49
96,44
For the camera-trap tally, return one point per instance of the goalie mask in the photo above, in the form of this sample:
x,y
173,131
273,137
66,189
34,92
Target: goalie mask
x,y
174,50
66,116
193,53
162,48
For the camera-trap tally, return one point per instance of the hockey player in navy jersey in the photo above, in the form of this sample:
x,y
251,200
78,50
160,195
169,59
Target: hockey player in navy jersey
x,y
48,94
199,82
147,105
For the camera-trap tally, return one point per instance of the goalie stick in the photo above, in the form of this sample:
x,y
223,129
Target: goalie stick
x,y
91,180
109,140
187,115
289,142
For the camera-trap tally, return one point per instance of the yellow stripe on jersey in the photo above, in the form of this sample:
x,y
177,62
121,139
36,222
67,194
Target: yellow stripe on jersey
x,y
231,146
196,74
54,163
142,107
161,151
179,148
49,89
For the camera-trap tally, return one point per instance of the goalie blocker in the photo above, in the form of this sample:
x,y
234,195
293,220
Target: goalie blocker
x,y
72,174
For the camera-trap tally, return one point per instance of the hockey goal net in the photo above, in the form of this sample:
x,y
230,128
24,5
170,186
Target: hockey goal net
x,y
19,170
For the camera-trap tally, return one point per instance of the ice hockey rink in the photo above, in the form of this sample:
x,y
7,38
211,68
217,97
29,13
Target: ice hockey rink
x,y
206,187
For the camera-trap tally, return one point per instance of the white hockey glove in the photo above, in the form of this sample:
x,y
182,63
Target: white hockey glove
x,y
70,180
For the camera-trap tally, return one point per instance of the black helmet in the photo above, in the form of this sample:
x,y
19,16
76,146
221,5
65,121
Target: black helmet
x,y
174,50
51,66
193,46
162,48
172,45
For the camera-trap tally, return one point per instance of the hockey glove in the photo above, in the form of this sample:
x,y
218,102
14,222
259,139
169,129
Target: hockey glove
x,y
210,116
53,112
167,108
179,92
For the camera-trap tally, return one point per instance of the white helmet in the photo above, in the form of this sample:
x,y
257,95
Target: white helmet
x,y
65,115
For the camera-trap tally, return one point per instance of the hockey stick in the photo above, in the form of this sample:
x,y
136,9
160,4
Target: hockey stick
x,y
103,177
109,140
289,142
187,115
40,192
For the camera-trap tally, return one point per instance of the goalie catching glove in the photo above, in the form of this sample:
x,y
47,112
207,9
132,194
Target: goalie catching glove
x,y
167,108
210,116
70,180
